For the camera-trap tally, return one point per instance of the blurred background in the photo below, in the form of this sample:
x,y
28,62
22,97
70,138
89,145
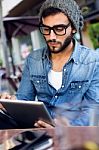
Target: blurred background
x,y
19,35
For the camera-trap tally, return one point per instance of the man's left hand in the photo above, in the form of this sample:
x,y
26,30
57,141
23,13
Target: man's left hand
x,y
42,124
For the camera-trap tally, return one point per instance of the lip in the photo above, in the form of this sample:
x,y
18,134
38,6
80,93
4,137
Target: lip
x,y
53,44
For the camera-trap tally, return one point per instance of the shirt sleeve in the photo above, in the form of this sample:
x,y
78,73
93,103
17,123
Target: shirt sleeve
x,y
26,90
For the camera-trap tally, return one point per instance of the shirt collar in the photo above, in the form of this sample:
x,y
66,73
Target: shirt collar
x,y
76,53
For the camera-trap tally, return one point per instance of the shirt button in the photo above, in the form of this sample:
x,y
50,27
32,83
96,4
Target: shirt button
x,y
56,96
79,86
62,86
64,70
38,81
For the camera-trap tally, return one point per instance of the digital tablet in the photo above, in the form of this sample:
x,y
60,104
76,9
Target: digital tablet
x,y
26,113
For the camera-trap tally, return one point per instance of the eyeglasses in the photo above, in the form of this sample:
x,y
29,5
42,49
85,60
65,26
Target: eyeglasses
x,y
57,29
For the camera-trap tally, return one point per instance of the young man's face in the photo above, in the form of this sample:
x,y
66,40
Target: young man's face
x,y
59,40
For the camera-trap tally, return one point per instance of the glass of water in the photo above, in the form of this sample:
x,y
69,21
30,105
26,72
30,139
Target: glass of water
x,y
94,115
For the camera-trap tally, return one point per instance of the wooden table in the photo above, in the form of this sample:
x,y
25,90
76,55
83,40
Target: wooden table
x,y
64,137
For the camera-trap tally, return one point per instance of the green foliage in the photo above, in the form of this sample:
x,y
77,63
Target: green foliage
x,y
1,62
94,34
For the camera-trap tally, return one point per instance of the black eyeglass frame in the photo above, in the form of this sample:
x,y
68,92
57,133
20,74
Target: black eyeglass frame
x,y
53,28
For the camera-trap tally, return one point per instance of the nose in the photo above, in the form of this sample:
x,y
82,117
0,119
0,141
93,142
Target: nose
x,y
52,35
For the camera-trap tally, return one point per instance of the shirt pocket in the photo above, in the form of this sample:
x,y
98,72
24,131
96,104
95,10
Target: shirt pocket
x,y
39,81
77,86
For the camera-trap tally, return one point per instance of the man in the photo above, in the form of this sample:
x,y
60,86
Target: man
x,y
65,74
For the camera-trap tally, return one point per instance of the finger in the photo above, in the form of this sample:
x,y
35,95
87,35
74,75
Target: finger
x,y
43,124
5,96
1,106
36,125
13,97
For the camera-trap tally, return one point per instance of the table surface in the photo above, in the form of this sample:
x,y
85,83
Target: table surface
x,y
63,137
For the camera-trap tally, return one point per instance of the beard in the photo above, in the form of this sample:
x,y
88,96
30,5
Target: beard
x,y
66,43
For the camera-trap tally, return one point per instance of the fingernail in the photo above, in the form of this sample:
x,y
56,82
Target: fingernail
x,y
35,124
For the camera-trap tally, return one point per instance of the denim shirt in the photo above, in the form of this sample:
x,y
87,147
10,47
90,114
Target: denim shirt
x,y
80,84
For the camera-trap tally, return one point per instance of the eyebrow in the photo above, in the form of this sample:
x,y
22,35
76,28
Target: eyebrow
x,y
56,25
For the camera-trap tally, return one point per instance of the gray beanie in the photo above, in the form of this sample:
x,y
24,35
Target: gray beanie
x,y
68,7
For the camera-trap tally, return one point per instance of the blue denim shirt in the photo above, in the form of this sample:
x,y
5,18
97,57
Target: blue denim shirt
x,y
80,84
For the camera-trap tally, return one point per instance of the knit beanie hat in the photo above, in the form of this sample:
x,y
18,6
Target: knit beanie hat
x,y
69,8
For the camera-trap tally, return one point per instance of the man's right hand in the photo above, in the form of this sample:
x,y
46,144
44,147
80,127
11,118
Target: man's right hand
x,y
6,95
